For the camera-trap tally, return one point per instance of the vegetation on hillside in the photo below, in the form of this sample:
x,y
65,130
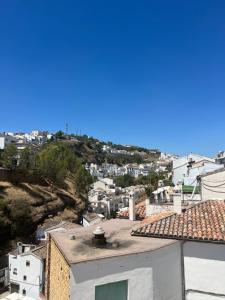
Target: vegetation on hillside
x,y
66,183
89,150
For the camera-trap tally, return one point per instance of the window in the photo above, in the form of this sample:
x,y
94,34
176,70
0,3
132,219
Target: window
x,y
112,291
24,292
27,263
24,277
15,271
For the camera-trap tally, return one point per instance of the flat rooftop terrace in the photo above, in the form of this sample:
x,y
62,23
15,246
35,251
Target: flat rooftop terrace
x,y
119,242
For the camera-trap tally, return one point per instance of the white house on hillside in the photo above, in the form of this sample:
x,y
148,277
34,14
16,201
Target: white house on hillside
x,y
26,270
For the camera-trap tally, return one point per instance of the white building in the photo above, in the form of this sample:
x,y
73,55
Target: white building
x,y
109,263
26,270
89,219
186,168
104,184
200,230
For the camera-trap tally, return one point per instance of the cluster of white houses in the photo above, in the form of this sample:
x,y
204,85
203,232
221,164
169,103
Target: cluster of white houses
x,y
21,140
113,170
158,252
136,170
105,198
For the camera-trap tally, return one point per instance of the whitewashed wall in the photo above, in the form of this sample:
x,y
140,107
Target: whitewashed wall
x,y
213,186
34,274
204,270
154,275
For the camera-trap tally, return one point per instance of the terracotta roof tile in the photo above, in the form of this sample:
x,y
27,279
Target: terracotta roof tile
x,y
204,221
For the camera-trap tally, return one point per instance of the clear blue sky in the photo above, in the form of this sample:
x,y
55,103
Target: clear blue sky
x,y
150,73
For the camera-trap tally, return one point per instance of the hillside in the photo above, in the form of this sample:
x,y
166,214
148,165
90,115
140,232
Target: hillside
x,y
90,150
24,205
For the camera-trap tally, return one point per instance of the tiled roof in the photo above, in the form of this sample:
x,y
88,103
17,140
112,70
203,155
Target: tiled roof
x,y
40,251
204,221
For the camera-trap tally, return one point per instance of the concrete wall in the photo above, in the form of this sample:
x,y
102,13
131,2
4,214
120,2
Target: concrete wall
x,y
180,166
34,274
58,286
213,186
152,209
204,270
152,275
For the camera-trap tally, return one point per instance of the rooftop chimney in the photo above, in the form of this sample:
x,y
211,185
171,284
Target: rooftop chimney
x,y
177,203
132,211
99,237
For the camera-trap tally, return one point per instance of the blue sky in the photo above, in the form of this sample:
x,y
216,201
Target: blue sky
x,y
150,73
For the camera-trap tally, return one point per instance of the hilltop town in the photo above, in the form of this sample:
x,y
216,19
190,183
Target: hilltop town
x,y
70,201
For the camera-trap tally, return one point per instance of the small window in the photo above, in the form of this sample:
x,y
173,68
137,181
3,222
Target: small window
x,y
15,271
27,263
24,292
24,277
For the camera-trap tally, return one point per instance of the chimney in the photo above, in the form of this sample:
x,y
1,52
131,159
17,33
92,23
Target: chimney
x,y
177,203
132,211
99,237
147,207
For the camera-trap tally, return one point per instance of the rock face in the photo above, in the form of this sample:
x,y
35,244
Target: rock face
x,y
44,200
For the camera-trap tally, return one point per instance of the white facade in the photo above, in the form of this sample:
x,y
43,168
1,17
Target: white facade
x,y
204,265
26,271
98,219
154,275
104,185
213,186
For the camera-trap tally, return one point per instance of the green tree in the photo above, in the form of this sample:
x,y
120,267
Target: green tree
x,y
59,135
55,161
20,215
124,181
27,159
9,156
82,180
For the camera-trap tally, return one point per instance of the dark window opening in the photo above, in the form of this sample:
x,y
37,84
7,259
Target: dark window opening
x,y
27,263
15,271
